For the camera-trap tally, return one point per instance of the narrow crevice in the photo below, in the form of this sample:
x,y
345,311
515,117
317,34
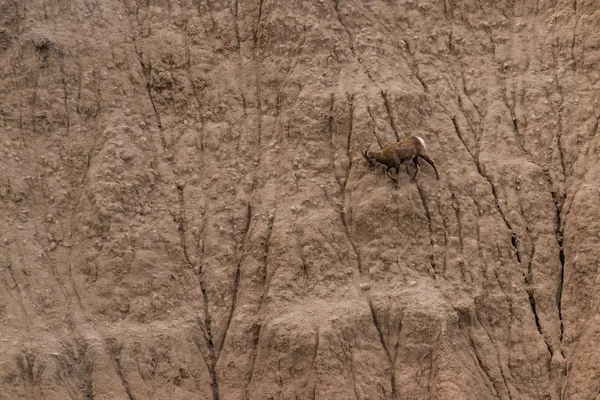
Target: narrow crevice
x,y
114,351
421,81
350,358
20,293
212,359
351,41
305,272
456,207
188,64
559,144
236,280
397,345
244,103
84,368
34,103
209,11
265,257
537,319
504,379
446,241
489,31
30,375
330,125
513,236
349,142
342,210
259,112
466,93
147,70
330,119
448,9
412,64
574,63
459,100
181,225
147,73
518,134
387,352
278,98
561,257
351,123
558,111
457,130
478,236
141,373
97,93
520,140
573,41
423,197
389,112
497,354
347,231
515,245
258,22
374,127
236,26
483,368
529,276
279,377
513,116
255,340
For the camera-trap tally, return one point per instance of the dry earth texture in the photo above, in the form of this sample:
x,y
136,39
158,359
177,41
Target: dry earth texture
x,y
186,214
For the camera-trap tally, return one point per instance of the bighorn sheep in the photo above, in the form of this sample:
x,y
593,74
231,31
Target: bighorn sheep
x,y
395,154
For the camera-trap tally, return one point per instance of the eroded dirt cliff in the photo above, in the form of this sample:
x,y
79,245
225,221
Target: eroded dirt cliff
x,y
185,211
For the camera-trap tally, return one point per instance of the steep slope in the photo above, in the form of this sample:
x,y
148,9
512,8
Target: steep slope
x,y
185,211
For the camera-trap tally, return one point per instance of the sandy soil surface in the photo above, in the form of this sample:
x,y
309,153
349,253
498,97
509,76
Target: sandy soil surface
x,y
185,212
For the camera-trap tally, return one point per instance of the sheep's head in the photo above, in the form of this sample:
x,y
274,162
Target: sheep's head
x,y
370,159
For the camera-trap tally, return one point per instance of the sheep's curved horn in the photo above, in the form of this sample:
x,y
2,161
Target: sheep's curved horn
x,y
366,154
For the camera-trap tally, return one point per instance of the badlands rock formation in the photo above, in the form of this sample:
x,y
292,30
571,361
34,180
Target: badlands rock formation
x,y
185,212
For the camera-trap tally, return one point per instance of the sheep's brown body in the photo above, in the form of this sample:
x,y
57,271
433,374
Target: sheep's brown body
x,y
395,154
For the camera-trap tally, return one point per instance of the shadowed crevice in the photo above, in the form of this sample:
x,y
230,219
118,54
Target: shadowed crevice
x,y
351,41
423,197
483,368
559,233
255,340
211,361
514,239
236,280
388,109
114,351
391,360
537,319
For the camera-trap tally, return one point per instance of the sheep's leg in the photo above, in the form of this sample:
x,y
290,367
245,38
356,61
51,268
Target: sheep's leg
x,y
430,161
416,162
397,177
390,175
